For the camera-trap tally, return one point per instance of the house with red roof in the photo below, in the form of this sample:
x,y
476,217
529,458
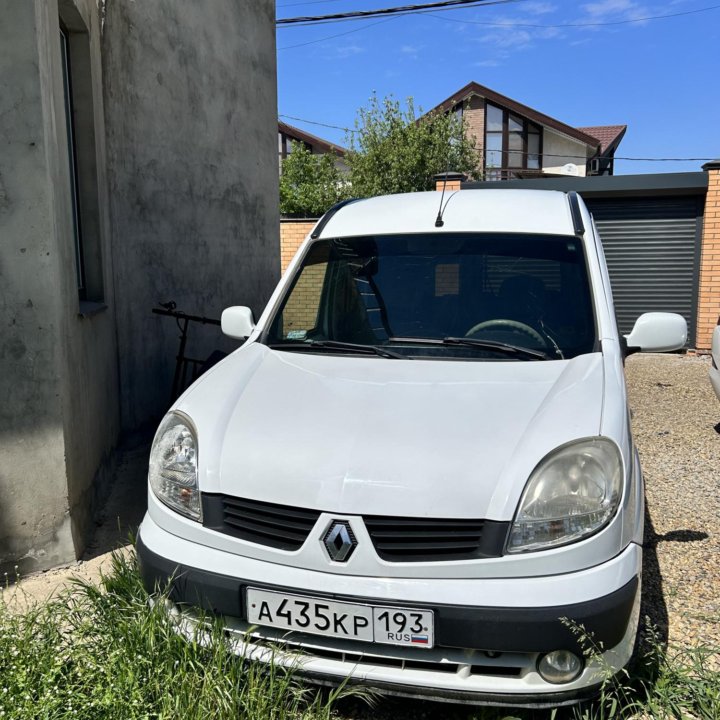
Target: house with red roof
x,y
517,141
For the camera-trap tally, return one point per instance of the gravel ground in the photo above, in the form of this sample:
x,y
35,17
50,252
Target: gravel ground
x,y
676,425
676,421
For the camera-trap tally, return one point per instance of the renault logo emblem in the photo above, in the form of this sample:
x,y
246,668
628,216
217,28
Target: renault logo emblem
x,y
339,541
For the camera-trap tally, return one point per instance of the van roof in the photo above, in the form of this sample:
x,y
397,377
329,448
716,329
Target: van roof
x,y
485,210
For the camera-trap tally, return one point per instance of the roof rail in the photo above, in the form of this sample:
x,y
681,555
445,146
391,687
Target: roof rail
x,y
328,216
578,225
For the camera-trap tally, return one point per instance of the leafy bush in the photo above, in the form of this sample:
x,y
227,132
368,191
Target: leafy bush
x,y
394,150
310,184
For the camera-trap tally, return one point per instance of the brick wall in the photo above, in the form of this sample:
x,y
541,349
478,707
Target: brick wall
x,y
474,114
709,288
301,312
292,234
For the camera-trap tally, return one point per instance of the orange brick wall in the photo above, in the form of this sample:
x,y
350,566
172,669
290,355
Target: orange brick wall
x,y
449,186
709,288
292,234
474,115
301,311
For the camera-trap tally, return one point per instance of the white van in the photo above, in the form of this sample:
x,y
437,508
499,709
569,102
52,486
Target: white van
x,y
418,471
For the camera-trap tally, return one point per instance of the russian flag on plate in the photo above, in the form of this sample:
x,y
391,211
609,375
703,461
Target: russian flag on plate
x,y
419,639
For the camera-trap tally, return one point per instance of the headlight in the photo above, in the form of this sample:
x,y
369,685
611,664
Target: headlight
x,y
173,466
571,494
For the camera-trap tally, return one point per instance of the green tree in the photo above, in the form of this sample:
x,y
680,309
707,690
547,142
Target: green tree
x,y
394,150
310,184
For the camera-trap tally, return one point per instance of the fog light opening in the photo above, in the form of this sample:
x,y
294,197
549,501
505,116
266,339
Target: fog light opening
x,y
560,666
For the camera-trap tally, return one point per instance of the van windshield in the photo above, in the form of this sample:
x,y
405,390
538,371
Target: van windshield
x,y
440,296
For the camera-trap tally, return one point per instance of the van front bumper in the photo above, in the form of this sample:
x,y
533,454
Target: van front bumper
x,y
482,653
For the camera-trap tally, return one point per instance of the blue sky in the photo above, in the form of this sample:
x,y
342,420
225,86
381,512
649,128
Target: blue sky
x,y
660,77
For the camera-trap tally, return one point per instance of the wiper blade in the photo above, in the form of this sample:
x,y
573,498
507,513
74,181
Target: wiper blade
x,y
416,340
506,348
338,345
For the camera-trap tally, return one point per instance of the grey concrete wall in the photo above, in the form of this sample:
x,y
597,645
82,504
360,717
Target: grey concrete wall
x,y
58,369
191,116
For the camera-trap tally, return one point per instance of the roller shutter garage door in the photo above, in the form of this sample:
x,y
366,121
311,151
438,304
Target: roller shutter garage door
x,y
652,251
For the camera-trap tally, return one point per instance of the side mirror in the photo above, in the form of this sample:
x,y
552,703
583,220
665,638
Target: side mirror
x,y
237,322
657,332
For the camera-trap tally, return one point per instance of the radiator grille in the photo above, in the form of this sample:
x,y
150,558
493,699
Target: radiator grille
x,y
395,539
426,539
277,526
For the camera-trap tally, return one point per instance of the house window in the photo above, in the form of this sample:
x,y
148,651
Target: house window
x,y
72,160
512,144
285,144
80,132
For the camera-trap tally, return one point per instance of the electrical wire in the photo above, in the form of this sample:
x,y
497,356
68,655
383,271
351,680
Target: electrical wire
x,y
569,25
313,122
396,10
489,24
307,2
330,37
521,152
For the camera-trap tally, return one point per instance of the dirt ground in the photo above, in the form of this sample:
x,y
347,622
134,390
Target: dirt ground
x,y
119,518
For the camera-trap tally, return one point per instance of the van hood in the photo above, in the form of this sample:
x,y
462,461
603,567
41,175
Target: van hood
x,y
367,435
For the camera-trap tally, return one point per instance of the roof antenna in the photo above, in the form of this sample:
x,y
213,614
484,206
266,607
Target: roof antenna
x,y
439,222
448,174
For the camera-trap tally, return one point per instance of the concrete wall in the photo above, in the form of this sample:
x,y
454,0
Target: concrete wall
x,y
191,115
559,150
177,200
58,374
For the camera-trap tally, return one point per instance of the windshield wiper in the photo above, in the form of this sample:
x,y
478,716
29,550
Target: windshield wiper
x,y
498,346
475,342
338,345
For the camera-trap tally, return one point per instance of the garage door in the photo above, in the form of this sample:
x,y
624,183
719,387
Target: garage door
x,y
652,251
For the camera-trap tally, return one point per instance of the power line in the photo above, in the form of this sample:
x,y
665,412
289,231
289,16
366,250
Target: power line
x,y
569,25
330,37
307,2
486,23
643,159
397,10
520,152
313,122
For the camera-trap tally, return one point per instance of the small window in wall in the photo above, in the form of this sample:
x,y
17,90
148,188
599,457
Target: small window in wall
x,y
512,144
72,159
80,133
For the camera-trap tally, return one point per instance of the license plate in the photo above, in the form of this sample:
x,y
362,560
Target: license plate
x,y
352,621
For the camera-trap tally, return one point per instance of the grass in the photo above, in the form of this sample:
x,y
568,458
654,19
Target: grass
x,y
101,651
660,682
97,652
